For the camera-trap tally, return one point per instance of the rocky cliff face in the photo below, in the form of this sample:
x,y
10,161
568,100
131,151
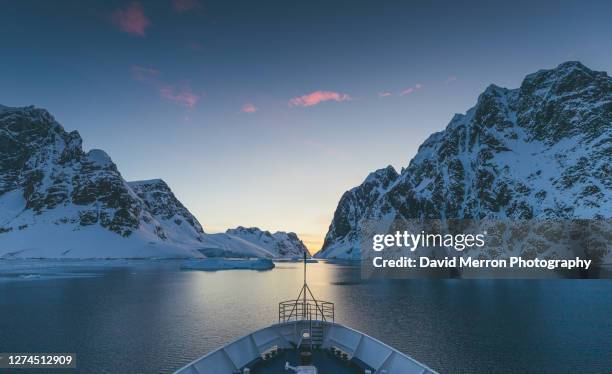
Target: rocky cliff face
x,y
163,206
50,187
354,206
543,150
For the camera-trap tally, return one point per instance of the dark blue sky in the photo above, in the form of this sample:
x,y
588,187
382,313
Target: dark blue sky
x,y
264,112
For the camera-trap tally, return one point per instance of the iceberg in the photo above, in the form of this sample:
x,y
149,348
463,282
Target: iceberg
x,y
296,259
214,264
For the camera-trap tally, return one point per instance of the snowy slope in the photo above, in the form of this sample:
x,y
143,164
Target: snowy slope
x,y
542,151
283,244
57,201
248,242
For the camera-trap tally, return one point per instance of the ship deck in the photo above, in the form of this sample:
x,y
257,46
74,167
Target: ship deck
x,y
322,359
335,349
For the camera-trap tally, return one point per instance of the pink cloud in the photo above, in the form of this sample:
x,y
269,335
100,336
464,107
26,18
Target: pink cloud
x,y
181,95
185,5
249,108
144,74
131,19
317,97
412,89
384,94
451,79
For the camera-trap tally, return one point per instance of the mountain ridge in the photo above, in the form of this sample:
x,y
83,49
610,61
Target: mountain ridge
x,y
286,244
58,201
542,150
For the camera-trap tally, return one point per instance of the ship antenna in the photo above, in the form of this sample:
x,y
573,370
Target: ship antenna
x,y
305,286
310,307
304,268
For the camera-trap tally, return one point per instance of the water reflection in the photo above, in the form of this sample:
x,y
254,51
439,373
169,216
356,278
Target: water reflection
x,y
152,317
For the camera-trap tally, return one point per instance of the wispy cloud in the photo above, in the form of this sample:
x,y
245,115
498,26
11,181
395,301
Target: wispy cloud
x,y
412,89
384,94
317,97
185,5
180,93
144,74
249,108
131,19
451,79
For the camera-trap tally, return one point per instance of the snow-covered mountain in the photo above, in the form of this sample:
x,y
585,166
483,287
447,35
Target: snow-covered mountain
x,y
543,150
243,242
284,244
57,201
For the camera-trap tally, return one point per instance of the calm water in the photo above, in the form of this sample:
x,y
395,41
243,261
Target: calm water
x,y
150,317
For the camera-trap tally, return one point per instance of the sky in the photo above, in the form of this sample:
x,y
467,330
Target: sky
x,y
263,113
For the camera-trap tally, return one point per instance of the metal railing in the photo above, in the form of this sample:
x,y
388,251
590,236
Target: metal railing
x,y
309,309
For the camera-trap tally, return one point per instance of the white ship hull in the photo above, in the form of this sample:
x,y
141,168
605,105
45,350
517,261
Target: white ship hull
x,y
335,347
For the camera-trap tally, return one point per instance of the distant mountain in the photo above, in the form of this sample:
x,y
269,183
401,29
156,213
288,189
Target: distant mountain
x,y
57,201
284,244
243,242
543,150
